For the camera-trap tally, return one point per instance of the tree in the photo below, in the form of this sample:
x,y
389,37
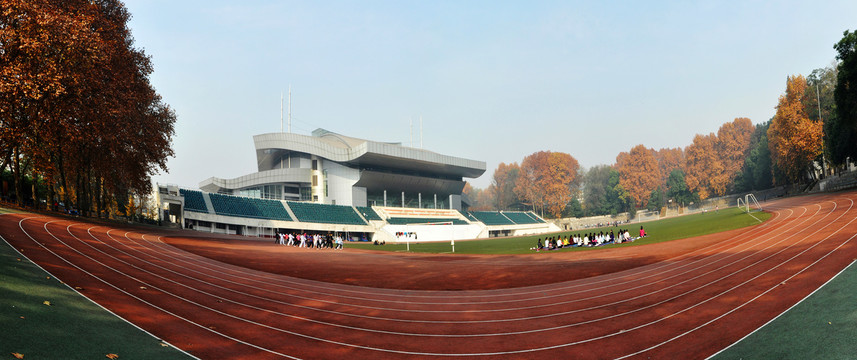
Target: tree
x,y
843,128
503,185
668,160
733,144
714,161
757,172
638,173
548,180
677,189
794,139
702,164
595,189
602,193
820,106
656,199
44,47
76,106
476,198
574,209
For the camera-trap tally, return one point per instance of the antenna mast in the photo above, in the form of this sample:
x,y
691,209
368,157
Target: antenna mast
x,y
281,111
290,108
421,131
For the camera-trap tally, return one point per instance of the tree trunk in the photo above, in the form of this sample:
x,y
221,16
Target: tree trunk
x,y
35,196
16,174
64,182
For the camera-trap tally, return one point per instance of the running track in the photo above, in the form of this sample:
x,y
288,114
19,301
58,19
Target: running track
x,y
688,305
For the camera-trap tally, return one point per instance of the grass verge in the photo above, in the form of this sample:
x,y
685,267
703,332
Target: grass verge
x,y
659,231
41,318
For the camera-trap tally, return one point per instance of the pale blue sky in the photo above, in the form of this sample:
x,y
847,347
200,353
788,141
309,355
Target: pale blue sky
x,y
493,81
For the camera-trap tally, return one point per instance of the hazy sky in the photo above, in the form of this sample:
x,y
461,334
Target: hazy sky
x,y
492,80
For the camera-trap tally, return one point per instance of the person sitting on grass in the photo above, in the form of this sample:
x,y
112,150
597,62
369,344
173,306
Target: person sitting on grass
x,y
642,232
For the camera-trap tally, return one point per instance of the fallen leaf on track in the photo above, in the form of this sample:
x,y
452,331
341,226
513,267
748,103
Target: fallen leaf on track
x,y
18,356
164,344
48,303
112,356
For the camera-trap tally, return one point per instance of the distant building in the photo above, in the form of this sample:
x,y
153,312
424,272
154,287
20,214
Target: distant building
x,y
329,168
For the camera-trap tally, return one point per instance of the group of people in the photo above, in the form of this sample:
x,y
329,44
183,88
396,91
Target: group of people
x,y
611,223
304,240
588,239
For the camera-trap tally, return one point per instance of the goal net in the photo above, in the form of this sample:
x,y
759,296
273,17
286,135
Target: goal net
x,y
749,203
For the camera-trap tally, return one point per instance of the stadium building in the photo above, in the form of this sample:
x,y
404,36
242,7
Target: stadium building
x,y
329,182
329,168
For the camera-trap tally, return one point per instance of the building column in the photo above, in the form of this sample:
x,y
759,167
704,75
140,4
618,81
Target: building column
x,y
435,201
403,199
420,200
385,197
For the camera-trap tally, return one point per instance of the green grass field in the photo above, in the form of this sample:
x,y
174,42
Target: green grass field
x,y
659,231
70,327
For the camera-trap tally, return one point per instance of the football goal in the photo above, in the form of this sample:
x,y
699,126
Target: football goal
x,y
749,204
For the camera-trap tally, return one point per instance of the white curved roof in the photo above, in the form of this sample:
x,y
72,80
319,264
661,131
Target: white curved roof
x,y
213,184
368,154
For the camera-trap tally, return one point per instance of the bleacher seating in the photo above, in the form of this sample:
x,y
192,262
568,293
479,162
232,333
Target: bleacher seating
x,y
193,201
325,214
520,217
468,215
491,218
535,217
249,207
368,213
411,220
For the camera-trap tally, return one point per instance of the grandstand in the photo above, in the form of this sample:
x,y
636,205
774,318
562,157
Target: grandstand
x,y
520,217
193,200
491,218
249,207
228,214
368,213
325,214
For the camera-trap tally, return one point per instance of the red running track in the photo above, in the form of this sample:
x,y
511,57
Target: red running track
x,y
683,299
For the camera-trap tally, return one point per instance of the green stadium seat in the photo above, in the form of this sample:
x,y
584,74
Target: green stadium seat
x,y
193,201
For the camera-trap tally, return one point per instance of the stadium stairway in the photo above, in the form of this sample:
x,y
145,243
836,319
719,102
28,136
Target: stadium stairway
x,y
208,204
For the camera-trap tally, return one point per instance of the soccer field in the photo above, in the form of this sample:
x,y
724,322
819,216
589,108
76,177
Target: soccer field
x,y
660,230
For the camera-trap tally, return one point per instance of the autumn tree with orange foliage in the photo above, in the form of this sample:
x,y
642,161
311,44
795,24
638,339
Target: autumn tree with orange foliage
x,y
713,161
548,180
638,173
669,160
703,165
503,185
733,143
76,106
794,139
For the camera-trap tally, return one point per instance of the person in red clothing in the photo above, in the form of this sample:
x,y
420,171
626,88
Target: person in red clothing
x,y
642,232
